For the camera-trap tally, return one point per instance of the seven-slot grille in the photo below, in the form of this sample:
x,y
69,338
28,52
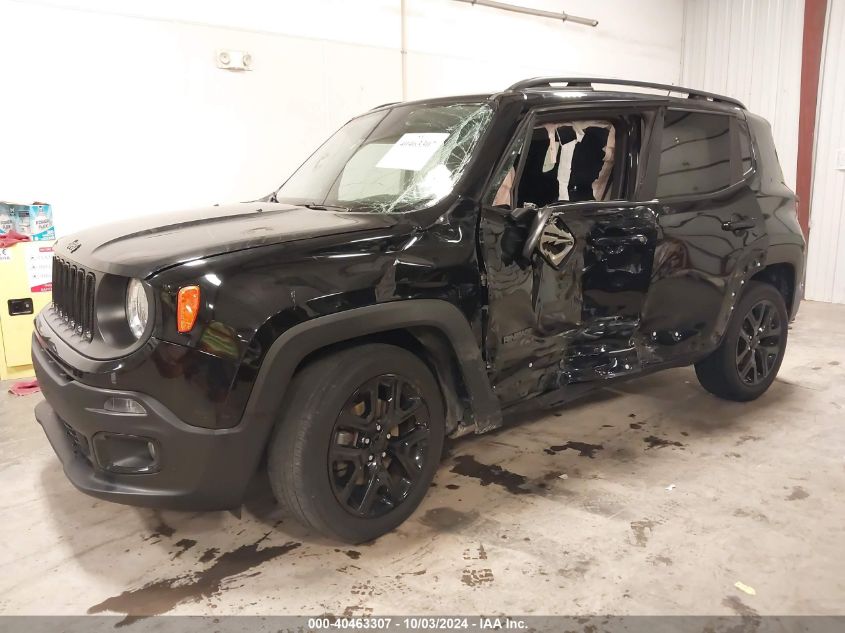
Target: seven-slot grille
x,y
73,296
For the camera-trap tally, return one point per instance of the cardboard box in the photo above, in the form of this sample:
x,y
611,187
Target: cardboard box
x,y
41,222
20,219
34,220
7,222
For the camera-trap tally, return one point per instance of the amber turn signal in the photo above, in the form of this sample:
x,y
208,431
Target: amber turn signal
x,y
187,306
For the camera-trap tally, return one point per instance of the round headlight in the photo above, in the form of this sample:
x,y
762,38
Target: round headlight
x,y
137,307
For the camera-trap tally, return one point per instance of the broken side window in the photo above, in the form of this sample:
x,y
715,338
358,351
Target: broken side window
x,y
570,160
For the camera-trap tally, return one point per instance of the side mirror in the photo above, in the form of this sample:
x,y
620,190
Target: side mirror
x,y
538,224
520,213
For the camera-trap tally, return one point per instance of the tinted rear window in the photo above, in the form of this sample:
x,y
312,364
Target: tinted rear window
x,y
695,154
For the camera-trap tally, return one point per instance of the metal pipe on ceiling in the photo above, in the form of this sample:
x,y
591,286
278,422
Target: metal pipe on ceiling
x,y
562,16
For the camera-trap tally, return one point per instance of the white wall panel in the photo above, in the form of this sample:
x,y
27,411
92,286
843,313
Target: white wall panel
x,y
460,48
826,257
115,108
336,20
751,50
115,116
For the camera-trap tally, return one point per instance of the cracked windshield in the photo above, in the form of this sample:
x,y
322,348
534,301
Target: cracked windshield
x,y
404,158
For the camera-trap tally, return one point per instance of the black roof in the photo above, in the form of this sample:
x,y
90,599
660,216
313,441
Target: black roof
x,y
586,83
570,89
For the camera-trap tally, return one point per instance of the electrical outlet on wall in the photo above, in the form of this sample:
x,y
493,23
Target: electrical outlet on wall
x,y
234,60
840,158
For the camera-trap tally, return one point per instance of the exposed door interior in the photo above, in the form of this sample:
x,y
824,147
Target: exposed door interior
x,y
564,161
568,315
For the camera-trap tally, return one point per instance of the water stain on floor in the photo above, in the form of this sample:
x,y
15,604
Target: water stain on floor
x,y
660,560
739,607
160,596
577,568
487,474
658,442
184,545
479,554
365,589
162,529
209,554
447,518
477,577
797,493
642,531
584,449
751,513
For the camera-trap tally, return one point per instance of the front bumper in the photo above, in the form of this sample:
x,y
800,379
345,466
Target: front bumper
x,y
197,468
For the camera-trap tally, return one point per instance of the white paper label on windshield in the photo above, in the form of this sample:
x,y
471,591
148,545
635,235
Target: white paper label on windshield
x,y
413,150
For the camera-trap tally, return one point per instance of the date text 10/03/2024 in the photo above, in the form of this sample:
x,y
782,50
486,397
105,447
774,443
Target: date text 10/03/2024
x,y
417,623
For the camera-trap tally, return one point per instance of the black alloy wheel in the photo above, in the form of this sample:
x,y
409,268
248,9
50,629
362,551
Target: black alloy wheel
x,y
358,441
759,343
379,445
749,356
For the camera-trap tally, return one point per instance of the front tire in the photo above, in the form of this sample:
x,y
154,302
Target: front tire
x,y
359,441
745,364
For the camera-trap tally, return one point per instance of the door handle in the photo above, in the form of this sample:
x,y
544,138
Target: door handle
x,y
739,224
636,239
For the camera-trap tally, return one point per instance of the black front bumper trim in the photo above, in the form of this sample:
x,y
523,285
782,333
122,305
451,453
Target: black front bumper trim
x,y
200,468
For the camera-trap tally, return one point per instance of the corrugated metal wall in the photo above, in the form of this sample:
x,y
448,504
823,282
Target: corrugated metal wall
x,y
825,279
750,49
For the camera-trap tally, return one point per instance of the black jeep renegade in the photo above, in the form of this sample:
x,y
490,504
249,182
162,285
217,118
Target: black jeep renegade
x,y
433,268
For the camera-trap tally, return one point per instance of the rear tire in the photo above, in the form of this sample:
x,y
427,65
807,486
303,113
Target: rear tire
x,y
358,442
745,364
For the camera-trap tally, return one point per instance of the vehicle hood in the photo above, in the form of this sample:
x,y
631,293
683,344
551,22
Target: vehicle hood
x,y
139,247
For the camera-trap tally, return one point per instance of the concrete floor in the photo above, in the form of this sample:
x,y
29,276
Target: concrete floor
x,y
653,498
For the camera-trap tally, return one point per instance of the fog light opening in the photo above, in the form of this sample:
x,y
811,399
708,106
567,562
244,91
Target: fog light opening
x,y
126,406
127,454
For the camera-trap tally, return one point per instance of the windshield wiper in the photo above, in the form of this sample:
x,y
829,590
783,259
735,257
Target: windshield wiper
x,y
325,207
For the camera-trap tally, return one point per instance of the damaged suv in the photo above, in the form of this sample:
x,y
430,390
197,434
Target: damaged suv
x,y
432,269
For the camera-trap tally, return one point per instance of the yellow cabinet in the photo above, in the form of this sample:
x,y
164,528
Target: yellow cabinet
x,y
25,283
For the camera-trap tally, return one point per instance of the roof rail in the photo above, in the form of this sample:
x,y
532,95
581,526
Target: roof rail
x,y
383,105
586,82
